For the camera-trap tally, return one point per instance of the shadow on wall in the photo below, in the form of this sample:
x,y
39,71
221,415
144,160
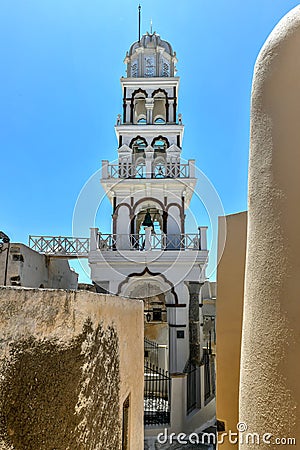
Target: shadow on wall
x,y
62,396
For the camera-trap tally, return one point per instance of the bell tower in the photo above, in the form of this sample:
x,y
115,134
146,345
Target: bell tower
x,y
150,138
148,253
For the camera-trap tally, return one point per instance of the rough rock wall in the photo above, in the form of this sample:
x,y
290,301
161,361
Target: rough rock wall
x,y
60,377
270,367
194,323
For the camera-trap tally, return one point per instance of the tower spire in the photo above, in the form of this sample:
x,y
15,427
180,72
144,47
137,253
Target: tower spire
x,y
139,8
151,27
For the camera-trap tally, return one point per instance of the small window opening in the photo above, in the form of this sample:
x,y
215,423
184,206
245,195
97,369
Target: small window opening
x,y
125,424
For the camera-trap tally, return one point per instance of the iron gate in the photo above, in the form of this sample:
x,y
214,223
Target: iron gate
x,y
191,384
209,375
157,405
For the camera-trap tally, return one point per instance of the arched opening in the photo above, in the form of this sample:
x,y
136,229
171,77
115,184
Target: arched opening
x,y
156,217
156,330
140,168
159,168
138,105
122,229
159,120
174,228
160,108
156,293
138,145
160,144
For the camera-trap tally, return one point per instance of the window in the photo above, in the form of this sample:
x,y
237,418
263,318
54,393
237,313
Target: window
x,y
18,258
180,334
150,66
134,68
157,315
166,70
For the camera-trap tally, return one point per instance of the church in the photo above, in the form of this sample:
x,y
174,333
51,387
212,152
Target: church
x,y
149,255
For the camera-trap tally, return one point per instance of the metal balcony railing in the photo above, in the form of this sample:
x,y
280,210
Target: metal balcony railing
x,y
157,242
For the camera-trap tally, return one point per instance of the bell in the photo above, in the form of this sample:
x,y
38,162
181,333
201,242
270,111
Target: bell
x,y
147,221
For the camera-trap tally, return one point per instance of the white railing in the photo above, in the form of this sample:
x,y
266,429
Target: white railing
x,y
80,247
106,242
130,170
60,246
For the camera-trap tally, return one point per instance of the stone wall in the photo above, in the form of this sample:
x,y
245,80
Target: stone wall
x,y
194,323
68,362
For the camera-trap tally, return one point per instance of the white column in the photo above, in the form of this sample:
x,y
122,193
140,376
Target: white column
x,y
128,111
178,346
123,242
178,402
171,111
203,238
163,357
148,231
192,168
94,239
149,152
105,169
149,108
171,317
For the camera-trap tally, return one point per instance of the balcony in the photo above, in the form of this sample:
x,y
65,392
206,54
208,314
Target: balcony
x,y
149,241
65,247
128,170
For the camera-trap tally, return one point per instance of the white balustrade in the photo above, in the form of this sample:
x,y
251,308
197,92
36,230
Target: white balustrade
x,y
148,170
150,241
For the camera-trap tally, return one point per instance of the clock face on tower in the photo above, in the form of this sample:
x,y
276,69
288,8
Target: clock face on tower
x,y
149,66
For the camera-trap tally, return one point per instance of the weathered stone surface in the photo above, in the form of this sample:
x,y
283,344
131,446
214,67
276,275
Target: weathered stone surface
x,y
61,381
194,324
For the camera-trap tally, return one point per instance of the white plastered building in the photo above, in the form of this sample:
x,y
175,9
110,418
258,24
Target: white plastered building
x,y
148,253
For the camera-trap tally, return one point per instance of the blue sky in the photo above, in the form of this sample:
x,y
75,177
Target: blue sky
x,y
61,61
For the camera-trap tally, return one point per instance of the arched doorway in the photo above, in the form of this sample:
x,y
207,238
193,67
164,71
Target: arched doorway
x,y
156,294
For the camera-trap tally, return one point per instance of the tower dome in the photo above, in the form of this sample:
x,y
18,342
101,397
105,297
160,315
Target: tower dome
x,y
150,57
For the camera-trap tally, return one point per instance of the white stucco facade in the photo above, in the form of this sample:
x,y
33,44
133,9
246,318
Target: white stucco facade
x,y
22,266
